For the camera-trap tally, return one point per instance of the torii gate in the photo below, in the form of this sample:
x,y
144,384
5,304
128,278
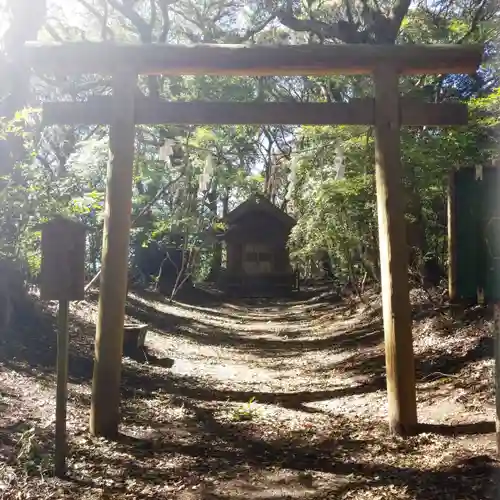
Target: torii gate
x,y
387,112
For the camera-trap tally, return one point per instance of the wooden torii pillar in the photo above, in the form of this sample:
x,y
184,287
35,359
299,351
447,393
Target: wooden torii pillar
x,y
387,112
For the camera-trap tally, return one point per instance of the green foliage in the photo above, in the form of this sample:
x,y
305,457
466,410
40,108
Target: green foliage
x,y
245,412
63,170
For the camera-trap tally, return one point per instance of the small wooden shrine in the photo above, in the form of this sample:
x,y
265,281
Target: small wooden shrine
x,y
257,258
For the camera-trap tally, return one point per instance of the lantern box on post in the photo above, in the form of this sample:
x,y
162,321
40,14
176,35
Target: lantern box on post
x,y
62,275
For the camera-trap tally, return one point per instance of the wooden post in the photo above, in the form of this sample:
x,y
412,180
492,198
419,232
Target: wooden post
x,y
105,409
62,388
394,255
62,278
496,333
452,261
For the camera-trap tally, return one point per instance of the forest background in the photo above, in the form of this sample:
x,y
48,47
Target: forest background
x,y
321,175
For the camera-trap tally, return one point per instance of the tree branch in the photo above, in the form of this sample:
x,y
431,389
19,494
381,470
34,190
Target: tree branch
x,y
127,10
475,21
53,33
341,30
154,14
251,32
103,18
397,15
164,8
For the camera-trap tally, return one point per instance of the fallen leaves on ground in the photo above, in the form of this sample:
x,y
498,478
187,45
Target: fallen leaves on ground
x,y
264,400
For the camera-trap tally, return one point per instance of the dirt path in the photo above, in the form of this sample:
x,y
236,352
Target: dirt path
x,y
262,401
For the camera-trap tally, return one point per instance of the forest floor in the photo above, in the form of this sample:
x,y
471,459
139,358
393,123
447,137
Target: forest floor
x,y
254,400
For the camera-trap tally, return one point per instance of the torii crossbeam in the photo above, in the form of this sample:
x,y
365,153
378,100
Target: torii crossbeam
x,y
387,112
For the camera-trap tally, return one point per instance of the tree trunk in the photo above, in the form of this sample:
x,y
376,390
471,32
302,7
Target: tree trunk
x,y
216,262
27,18
417,240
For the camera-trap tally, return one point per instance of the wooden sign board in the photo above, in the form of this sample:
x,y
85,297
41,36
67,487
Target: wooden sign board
x,y
62,274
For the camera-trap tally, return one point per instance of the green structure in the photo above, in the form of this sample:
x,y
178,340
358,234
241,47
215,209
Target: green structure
x,y
477,237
